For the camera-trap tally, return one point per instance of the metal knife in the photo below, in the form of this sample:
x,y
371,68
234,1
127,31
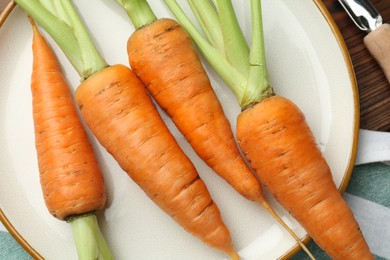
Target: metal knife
x,y
377,41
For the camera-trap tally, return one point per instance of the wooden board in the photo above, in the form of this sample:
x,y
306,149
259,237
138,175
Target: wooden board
x,y
374,89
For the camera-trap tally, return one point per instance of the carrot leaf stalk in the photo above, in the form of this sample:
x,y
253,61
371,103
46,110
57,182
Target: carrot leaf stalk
x,y
60,20
242,68
236,48
139,12
88,238
213,29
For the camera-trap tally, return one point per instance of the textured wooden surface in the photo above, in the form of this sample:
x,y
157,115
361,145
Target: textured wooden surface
x,y
2,5
374,89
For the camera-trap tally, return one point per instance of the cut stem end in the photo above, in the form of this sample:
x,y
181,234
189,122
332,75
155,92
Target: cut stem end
x,y
88,238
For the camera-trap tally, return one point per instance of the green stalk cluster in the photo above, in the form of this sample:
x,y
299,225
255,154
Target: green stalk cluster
x,y
89,240
60,20
225,48
139,12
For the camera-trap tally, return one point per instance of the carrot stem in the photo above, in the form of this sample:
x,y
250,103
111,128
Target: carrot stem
x,y
259,85
92,61
59,30
233,78
49,5
208,19
88,238
236,47
72,38
139,12
244,72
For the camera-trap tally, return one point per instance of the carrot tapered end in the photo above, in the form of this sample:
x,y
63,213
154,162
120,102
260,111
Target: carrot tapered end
x,y
234,255
270,210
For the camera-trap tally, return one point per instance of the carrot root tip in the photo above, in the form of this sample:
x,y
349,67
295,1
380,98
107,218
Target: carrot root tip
x,y
268,207
234,255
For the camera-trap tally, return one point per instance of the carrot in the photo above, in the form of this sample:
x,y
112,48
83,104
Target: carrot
x,y
71,180
294,170
117,109
121,115
164,58
273,134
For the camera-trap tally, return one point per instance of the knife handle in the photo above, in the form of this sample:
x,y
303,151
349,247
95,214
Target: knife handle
x,y
378,43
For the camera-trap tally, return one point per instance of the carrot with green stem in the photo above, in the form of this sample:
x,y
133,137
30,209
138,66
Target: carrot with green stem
x,y
274,136
72,183
163,57
119,112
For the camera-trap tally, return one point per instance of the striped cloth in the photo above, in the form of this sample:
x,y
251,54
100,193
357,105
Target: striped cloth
x,y
368,194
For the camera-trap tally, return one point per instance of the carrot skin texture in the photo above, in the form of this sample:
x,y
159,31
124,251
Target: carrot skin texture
x,y
70,177
119,112
163,57
279,145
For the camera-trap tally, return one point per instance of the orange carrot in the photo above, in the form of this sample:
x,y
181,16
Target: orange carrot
x,y
72,183
70,176
121,115
292,167
164,58
274,136
116,107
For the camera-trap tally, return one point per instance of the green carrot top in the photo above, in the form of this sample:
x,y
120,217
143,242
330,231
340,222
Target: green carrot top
x,y
61,21
242,68
139,12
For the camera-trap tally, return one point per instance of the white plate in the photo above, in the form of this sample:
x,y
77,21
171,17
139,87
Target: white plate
x,y
307,62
